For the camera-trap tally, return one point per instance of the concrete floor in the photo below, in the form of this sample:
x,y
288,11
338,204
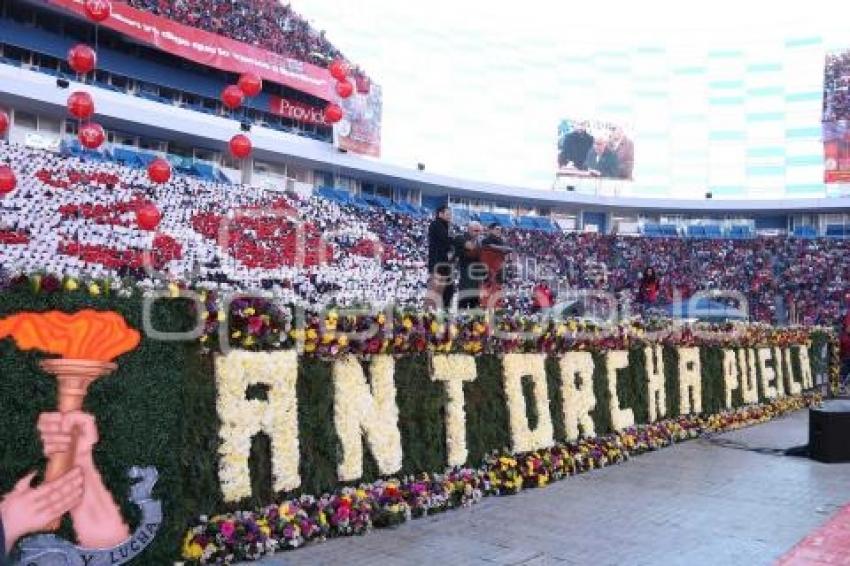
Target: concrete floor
x,y
733,499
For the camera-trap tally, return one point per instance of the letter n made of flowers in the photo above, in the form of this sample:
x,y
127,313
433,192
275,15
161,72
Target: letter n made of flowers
x,y
369,409
523,438
243,418
453,370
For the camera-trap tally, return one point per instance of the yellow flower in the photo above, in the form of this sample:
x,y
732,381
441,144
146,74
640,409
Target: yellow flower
x,y
221,316
173,290
249,311
71,285
94,289
381,319
310,347
204,338
342,341
361,493
330,324
312,334
327,338
407,323
248,341
191,550
562,330
236,334
434,327
297,334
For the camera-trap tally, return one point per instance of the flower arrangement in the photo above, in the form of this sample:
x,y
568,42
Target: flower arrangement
x,y
250,535
261,324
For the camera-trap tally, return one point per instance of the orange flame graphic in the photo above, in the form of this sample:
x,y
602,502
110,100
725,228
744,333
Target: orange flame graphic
x,y
84,335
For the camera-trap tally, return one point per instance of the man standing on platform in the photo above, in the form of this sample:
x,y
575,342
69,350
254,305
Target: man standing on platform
x,y
440,256
472,271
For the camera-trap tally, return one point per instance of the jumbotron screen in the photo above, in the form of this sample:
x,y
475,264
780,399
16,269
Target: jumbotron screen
x,y
595,148
836,117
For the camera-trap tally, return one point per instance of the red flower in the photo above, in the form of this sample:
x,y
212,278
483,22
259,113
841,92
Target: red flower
x,y
255,324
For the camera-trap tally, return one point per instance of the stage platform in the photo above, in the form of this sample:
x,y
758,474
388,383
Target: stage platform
x,y
736,498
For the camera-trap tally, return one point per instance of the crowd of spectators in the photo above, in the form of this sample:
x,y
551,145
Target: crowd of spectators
x,y
268,24
74,218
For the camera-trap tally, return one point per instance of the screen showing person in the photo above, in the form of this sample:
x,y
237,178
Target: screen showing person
x,y
595,148
601,161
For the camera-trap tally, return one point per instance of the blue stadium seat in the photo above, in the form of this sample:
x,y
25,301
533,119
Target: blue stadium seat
x,y
696,231
805,232
836,231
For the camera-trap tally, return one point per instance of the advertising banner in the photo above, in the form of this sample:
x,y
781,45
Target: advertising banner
x,y
212,50
360,130
298,111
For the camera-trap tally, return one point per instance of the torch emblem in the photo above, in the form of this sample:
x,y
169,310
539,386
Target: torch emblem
x,y
87,343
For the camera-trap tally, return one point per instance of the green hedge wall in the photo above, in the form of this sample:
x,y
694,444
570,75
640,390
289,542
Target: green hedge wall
x,y
158,409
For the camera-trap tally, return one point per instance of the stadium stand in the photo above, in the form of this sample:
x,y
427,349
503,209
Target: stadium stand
x,y
72,215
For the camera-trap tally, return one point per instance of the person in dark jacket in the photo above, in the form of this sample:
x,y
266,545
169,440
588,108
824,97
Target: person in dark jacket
x,y
441,252
575,146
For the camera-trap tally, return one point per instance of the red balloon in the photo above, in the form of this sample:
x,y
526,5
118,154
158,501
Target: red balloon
x,y
4,122
91,135
333,113
82,58
240,146
250,84
344,89
232,97
148,217
98,10
81,105
339,69
159,170
8,181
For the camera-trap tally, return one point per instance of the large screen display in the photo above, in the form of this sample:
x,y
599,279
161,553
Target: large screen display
x,y
836,117
595,148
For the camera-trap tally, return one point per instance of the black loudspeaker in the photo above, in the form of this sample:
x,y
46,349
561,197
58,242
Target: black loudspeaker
x,y
62,82
829,432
